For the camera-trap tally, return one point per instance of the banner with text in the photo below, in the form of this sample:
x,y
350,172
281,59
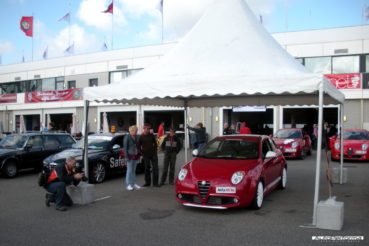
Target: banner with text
x,y
53,96
345,81
8,98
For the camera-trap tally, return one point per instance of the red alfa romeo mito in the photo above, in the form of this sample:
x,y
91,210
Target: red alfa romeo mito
x,y
355,145
232,171
293,143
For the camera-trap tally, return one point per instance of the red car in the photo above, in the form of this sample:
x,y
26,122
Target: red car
x,y
293,142
355,145
232,171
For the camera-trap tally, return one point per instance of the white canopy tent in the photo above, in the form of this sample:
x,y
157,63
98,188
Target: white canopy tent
x,y
227,59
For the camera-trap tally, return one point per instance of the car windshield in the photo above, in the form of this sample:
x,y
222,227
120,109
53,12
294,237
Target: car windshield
x,y
284,133
13,141
230,149
94,142
355,135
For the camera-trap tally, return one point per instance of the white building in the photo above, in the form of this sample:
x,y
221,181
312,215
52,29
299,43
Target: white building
x,y
343,52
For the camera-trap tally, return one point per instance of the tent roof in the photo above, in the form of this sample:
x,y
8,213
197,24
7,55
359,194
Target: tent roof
x,y
227,59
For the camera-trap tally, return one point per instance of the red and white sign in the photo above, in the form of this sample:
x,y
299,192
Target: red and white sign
x,y
345,81
53,96
8,98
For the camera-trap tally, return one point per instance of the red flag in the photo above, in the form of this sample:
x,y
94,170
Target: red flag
x,y
109,9
26,25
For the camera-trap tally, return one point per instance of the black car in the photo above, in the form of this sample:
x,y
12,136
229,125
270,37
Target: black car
x,y
27,150
105,156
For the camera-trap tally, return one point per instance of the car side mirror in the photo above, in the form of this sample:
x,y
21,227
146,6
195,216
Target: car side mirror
x,y
116,146
195,152
270,154
28,147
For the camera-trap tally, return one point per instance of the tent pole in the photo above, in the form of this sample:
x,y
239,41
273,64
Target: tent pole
x,y
85,136
319,152
186,142
341,144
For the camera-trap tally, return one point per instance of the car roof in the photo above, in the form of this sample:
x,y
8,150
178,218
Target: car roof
x,y
243,136
39,133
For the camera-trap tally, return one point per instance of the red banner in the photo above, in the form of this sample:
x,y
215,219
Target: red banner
x,y
26,25
53,96
8,98
345,81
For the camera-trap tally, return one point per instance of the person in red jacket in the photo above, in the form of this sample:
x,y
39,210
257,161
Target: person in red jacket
x,y
244,129
161,130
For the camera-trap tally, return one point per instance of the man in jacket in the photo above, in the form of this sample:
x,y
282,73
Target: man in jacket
x,y
200,131
171,146
244,129
62,175
148,145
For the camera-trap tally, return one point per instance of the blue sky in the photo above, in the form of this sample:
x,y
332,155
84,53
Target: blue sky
x,y
138,22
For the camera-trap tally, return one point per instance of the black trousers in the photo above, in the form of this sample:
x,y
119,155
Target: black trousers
x,y
151,166
169,162
60,195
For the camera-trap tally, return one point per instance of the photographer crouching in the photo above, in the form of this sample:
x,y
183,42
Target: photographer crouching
x,y
62,175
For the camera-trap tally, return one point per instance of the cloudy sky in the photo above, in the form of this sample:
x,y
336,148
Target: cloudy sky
x,y
139,22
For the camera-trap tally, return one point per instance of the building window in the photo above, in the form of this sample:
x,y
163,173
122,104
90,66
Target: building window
x,y
318,64
71,84
59,83
345,64
48,84
93,82
120,75
10,88
35,85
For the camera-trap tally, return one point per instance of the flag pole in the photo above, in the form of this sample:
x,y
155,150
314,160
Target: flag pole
x,y
33,29
112,26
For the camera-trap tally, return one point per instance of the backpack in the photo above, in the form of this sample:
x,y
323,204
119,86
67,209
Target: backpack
x,y
43,177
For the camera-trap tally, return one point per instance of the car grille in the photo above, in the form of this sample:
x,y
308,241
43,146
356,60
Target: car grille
x,y
190,198
214,200
203,188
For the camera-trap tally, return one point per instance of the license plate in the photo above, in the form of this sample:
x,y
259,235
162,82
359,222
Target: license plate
x,y
228,190
360,151
290,150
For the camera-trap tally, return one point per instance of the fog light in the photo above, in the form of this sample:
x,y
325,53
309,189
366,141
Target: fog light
x,y
235,200
180,196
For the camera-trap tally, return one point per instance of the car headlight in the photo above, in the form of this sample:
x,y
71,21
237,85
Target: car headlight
x,y
182,174
364,146
337,146
295,144
237,177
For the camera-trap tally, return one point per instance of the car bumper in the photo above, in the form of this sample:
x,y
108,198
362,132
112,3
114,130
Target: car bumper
x,y
349,156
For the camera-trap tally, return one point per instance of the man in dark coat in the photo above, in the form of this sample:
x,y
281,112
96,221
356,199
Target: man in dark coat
x,y
148,145
171,146
200,131
62,175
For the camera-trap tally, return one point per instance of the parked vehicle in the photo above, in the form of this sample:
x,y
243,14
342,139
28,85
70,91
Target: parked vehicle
x,y
105,156
232,171
27,150
355,145
293,142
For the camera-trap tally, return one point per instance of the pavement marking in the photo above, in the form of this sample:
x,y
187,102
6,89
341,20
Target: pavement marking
x,y
102,198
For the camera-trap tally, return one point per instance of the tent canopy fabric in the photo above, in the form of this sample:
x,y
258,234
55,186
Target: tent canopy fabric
x,y
227,59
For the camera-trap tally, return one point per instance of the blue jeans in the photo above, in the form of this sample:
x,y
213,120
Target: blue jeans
x,y
131,172
60,195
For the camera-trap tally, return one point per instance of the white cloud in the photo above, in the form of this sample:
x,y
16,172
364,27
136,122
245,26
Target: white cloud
x,y
91,13
154,33
6,47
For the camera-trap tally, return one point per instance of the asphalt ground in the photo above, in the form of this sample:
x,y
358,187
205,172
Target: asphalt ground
x,y
151,216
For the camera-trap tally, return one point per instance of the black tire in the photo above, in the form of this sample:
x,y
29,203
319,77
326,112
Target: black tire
x,y
259,196
283,181
10,169
303,154
98,173
310,151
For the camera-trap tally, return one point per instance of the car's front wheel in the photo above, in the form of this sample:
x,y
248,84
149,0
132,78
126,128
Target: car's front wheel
x,y
98,172
283,182
10,169
259,196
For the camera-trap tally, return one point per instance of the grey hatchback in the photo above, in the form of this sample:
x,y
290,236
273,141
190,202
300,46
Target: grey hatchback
x,y
27,150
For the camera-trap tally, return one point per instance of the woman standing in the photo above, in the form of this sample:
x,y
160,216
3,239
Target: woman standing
x,y
132,153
